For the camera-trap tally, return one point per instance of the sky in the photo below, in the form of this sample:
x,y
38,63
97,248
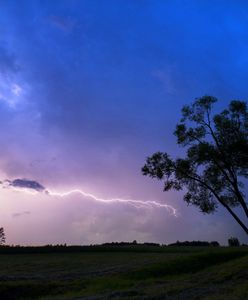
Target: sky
x,y
88,90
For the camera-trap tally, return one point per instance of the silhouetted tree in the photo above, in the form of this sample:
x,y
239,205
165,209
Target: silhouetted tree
x,y
216,158
2,236
214,244
233,242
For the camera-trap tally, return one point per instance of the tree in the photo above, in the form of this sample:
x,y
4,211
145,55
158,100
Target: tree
x,y
216,158
2,236
233,242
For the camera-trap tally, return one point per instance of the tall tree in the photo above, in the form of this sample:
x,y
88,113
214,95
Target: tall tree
x,y
215,165
2,236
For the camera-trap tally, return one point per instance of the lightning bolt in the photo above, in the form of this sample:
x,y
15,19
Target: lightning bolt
x,y
135,203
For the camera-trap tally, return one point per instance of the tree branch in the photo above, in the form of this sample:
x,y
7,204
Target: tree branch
x,y
245,228
234,181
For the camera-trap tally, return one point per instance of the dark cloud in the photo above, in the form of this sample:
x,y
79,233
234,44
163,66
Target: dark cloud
x,y
25,183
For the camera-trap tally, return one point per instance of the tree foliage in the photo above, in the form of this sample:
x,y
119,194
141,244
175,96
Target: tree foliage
x,y
216,161
233,242
2,236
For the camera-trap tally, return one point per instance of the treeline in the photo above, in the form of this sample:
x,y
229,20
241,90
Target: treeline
x,y
131,244
118,247
106,247
195,243
186,243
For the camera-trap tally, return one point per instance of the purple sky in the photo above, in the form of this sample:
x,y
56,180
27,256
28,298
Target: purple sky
x,y
89,89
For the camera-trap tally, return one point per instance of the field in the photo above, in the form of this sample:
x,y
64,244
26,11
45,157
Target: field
x,y
127,273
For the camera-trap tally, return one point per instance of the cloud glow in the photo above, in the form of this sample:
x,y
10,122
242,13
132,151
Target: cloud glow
x,y
11,93
16,89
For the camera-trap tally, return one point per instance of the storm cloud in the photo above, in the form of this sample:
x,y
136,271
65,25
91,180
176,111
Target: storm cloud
x,y
23,183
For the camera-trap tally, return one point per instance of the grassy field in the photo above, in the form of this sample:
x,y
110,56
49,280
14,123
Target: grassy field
x,y
147,273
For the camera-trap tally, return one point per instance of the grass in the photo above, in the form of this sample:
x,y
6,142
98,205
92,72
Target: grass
x,y
170,273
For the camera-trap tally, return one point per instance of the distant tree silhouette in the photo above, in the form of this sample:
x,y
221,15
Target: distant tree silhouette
x,y
216,159
2,236
195,244
214,244
233,242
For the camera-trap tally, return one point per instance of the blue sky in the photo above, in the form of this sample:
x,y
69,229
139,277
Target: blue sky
x,y
89,88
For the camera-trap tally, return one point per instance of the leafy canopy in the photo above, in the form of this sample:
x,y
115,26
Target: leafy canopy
x,y
216,158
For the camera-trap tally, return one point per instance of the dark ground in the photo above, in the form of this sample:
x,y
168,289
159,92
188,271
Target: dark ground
x,y
131,272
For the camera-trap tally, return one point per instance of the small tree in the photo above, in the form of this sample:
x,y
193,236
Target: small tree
x,y
2,236
233,242
216,158
214,244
